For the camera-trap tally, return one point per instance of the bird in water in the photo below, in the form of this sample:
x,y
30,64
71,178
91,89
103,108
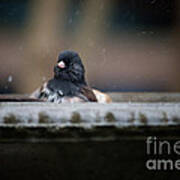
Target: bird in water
x,y
68,83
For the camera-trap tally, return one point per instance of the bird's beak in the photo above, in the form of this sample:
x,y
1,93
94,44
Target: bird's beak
x,y
61,65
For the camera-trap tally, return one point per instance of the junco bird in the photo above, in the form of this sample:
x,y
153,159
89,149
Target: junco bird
x,y
68,83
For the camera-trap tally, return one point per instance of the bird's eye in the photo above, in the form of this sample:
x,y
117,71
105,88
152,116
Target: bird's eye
x,y
71,64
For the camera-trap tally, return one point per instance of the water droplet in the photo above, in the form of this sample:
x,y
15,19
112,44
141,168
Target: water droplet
x,y
10,78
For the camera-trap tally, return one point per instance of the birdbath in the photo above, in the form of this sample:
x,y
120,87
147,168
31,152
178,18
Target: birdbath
x,y
42,140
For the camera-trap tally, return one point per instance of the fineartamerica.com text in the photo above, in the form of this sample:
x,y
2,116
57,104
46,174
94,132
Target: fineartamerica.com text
x,y
156,149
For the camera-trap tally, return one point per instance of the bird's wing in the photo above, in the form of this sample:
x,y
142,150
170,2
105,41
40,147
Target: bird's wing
x,y
45,94
102,97
37,93
88,94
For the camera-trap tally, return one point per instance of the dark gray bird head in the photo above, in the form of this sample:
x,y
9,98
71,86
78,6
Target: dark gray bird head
x,y
69,67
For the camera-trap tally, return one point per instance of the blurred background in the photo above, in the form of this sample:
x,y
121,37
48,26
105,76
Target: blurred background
x,y
125,45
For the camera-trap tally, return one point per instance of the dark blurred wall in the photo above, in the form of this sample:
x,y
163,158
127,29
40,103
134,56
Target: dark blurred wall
x,y
128,45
